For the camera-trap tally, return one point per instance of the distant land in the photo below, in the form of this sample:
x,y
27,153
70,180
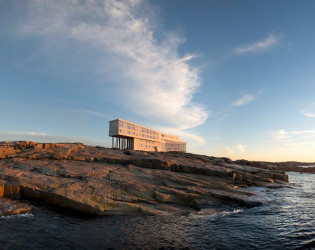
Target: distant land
x,y
288,166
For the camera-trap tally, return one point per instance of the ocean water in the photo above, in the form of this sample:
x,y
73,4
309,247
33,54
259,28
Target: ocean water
x,y
285,221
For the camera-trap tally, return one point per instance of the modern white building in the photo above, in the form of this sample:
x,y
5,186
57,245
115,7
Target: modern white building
x,y
128,135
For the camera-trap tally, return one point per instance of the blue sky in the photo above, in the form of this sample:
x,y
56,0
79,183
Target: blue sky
x,y
232,78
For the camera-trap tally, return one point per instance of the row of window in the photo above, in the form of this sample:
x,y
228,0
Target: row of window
x,y
136,134
147,133
128,125
147,146
147,141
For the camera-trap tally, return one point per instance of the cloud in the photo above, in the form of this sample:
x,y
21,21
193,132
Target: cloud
x,y
25,133
263,45
157,82
237,150
307,113
245,99
295,139
290,45
183,135
90,112
302,132
229,151
222,118
285,135
241,148
280,135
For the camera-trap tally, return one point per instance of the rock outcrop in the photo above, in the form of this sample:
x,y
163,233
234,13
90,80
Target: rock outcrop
x,y
12,207
290,166
103,181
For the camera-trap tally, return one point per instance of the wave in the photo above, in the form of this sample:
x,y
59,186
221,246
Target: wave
x,y
8,217
208,213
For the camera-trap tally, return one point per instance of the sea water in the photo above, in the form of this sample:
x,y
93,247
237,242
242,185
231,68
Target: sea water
x,y
285,221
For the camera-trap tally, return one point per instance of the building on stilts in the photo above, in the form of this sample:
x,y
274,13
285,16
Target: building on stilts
x,y
130,136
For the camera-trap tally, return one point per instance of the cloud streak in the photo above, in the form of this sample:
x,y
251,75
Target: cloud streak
x,y
245,99
295,139
90,112
309,114
25,133
158,83
282,134
263,45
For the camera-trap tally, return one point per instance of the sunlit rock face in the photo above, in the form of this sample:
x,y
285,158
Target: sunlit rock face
x,y
103,181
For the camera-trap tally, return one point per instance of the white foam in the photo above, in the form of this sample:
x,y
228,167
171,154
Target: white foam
x,y
8,217
218,214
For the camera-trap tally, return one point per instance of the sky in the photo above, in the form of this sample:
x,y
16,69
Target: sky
x,y
232,78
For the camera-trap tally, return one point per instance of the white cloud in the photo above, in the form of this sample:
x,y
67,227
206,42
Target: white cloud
x,y
184,135
307,113
295,139
229,151
241,148
259,46
245,99
280,135
235,150
158,83
286,135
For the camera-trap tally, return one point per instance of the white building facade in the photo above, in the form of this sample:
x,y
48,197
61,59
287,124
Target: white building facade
x,y
128,135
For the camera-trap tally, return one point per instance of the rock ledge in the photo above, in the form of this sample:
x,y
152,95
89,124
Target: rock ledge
x,y
103,181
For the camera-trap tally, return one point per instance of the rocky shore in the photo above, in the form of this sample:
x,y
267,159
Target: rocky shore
x,y
102,181
290,166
